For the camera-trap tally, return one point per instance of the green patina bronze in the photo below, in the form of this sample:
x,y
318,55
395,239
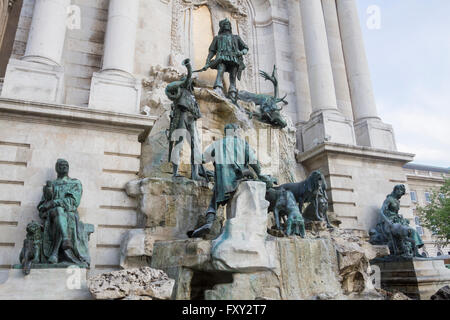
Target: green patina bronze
x,y
394,230
185,112
227,50
62,240
269,112
313,192
284,207
234,161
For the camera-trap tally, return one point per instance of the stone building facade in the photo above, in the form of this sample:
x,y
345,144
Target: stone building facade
x,y
422,180
78,85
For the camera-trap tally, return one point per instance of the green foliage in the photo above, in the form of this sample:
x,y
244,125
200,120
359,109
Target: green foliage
x,y
435,216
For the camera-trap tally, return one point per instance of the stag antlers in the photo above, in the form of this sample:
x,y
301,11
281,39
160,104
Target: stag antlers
x,y
273,78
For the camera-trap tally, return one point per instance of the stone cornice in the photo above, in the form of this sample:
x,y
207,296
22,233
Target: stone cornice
x,y
357,151
73,116
425,178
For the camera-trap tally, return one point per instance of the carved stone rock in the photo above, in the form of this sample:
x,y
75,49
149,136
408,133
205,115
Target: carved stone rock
x,y
354,255
170,204
242,246
132,284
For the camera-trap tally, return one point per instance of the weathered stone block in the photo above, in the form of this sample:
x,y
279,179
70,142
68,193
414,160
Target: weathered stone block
x,y
305,269
131,284
46,284
418,278
172,204
241,246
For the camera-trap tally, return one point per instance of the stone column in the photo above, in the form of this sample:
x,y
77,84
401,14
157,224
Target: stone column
x,y
120,38
337,59
47,32
369,129
39,75
326,123
318,58
115,88
302,91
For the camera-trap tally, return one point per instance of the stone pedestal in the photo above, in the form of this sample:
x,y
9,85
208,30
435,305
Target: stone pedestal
x,y
112,91
242,247
417,278
358,180
34,81
375,133
328,126
46,284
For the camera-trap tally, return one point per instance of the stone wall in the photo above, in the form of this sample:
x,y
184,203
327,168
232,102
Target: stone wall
x,y
359,179
103,153
84,50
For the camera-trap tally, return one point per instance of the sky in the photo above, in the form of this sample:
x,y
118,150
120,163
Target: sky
x,y
408,48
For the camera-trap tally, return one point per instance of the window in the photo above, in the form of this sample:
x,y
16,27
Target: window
x,y
427,197
413,196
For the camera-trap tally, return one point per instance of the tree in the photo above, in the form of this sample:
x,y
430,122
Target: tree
x,y
435,216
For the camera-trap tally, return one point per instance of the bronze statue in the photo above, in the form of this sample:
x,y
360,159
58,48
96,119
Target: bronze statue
x,y
234,160
269,112
284,206
394,230
228,50
312,191
31,252
63,238
185,113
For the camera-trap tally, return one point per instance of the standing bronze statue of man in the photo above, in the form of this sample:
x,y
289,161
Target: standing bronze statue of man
x,y
232,157
228,50
183,124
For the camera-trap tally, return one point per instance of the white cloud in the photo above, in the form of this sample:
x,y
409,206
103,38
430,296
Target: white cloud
x,y
410,67
421,126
